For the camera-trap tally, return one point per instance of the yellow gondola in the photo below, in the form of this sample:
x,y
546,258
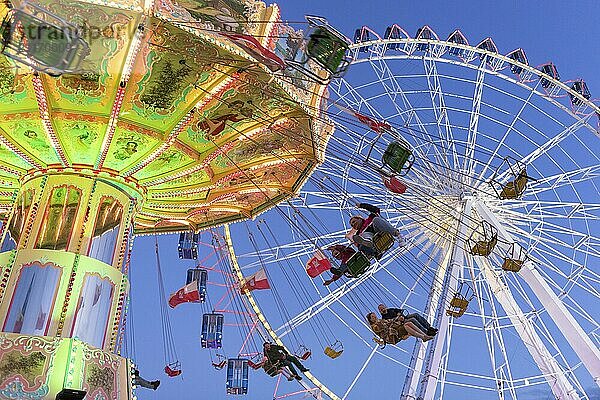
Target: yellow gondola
x,y
514,188
514,259
460,302
482,242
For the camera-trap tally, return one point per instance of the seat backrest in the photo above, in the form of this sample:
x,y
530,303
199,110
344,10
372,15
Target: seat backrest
x,y
357,264
383,241
333,353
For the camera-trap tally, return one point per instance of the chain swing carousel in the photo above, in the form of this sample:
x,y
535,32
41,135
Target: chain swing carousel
x,y
138,125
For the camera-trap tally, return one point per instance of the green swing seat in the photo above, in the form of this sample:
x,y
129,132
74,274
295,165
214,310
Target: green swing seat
x,y
327,49
398,157
357,265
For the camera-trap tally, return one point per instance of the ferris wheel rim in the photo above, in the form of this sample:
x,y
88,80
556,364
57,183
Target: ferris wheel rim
x,y
383,54
552,100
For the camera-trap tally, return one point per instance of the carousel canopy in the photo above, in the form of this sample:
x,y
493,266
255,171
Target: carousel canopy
x,y
185,102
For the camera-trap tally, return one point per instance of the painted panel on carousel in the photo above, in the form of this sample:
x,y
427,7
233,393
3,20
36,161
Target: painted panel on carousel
x,y
29,134
173,71
108,32
81,137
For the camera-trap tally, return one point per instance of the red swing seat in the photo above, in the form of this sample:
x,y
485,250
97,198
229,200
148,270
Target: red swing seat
x,y
173,369
394,184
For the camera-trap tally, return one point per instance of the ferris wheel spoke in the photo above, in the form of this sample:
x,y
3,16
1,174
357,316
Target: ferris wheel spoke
x,y
474,122
495,340
550,143
441,113
555,375
568,178
511,127
424,142
393,89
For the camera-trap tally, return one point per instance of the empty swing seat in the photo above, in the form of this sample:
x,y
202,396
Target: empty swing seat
x,y
305,355
357,265
514,189
237,376
199,275
335,350
173,369
398,157
383,242
188,245
326,49
458,306
394,185
212,331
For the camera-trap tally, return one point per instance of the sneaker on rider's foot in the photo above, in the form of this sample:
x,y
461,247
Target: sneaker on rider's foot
x,y
155,384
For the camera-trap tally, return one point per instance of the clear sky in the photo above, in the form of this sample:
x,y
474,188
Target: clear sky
x,y
565,32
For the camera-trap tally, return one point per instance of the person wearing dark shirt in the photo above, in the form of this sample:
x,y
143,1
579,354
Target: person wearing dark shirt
x,y
420,321
342,253
275,354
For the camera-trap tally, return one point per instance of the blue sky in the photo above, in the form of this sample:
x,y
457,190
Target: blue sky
x,y
565,32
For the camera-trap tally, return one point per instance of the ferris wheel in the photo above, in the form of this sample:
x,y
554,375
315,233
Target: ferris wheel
x,y
489,168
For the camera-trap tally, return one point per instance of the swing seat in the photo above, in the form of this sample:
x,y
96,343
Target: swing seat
x,y
398,158
326,49
323,46
383,242
305,356
357,265
484,247
173,369
332,353
394,185
219,365
514,189
512,265
458,306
